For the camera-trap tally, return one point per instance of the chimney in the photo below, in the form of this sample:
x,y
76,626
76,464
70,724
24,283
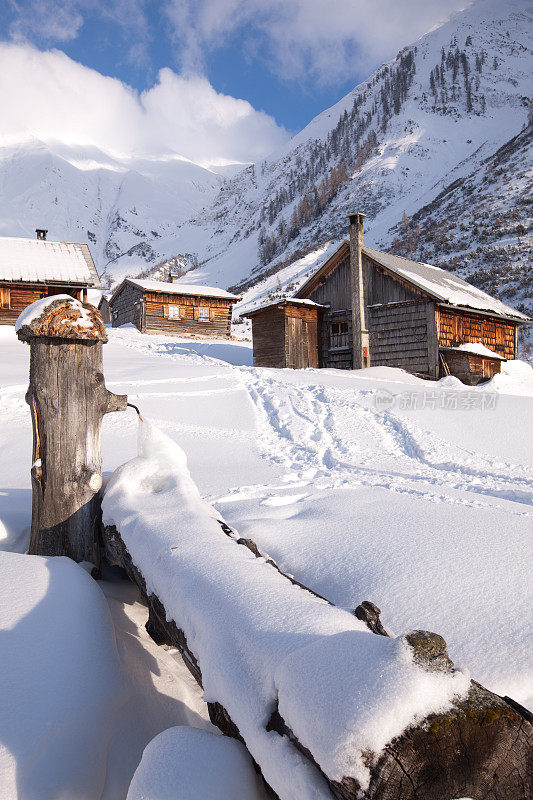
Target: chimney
x,y
361,341
41,233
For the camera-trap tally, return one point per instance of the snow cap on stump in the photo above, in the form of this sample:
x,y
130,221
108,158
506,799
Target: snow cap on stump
x,y
61,316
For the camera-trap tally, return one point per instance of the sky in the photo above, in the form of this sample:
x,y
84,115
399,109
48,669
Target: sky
x,y
217,81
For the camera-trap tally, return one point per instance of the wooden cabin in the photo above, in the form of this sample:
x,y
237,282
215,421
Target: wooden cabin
x,y
285,334
34,268
376,309
175,309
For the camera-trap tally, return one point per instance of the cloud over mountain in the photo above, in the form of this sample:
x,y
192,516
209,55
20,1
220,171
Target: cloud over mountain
x,y
48,96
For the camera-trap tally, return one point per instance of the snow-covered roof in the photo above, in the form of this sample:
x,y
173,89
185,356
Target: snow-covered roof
x,y
179,288
44,261
443,285
297,301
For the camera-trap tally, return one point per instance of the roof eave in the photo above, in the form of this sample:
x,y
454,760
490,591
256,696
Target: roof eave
x,y
485,312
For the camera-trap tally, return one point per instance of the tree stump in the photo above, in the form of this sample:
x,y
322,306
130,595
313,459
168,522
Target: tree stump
x,y
67,399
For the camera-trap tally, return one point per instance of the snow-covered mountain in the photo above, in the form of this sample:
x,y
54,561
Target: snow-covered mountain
x,y
432,147
435,115
126,209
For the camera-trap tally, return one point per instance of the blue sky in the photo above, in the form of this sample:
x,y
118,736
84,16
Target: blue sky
x,y
288,58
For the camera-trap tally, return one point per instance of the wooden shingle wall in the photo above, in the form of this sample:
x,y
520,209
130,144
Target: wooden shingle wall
x,y
458,327
403,335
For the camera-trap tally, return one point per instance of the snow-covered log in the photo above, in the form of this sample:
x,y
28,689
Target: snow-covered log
x,y
326,707
67,398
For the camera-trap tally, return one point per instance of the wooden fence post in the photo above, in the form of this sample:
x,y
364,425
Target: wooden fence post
x,y
67,399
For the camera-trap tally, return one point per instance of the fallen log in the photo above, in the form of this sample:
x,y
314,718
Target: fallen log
x,y
480,748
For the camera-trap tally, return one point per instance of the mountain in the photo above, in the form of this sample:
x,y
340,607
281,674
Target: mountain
x,y
126,209
434,147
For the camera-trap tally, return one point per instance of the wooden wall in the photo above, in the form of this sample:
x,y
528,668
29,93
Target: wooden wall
x,y
469,368
15,297
301,337
127,306
268,336
157,320
458,327
404,335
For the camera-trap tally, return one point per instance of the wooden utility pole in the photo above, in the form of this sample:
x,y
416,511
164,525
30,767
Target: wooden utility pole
x,y
67,398
361,339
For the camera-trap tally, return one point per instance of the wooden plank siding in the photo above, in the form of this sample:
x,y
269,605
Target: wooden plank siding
x,y
14,297
268,332
301,337
152,312
157,317
459,327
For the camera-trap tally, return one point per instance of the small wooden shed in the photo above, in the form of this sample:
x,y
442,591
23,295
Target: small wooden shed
x,y
285,334
173,308
379,309
31,269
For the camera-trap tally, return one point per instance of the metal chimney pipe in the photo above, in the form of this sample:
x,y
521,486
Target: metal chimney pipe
x,y
361,339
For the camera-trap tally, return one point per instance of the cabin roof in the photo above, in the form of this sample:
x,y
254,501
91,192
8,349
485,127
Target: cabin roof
x,y
148,285
442,285
45,261
282,301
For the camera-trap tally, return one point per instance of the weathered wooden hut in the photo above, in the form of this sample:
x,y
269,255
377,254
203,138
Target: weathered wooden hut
x,y
173,308
375,308
34,268
285,334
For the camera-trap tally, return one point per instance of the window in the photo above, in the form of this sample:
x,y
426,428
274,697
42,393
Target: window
x,y
5,297
203,314
339,335
174,312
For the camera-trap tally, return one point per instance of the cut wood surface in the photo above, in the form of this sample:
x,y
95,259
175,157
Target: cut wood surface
x,y
67,398
481,748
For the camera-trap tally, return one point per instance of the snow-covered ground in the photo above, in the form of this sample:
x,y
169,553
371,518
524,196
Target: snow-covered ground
x,y
372,485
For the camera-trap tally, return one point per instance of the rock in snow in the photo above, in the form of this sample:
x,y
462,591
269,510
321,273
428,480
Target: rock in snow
x,y
189,764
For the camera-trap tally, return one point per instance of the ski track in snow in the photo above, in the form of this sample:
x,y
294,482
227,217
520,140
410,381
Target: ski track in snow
x,y
298,426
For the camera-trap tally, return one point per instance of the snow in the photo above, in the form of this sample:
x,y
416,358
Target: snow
x,y
37,261
479,349
336,692
61,681
260,619
422,505
39,308
182,288
194,765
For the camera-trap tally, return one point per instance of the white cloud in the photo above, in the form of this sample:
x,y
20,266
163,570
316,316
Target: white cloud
x,y
49,96
324,40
